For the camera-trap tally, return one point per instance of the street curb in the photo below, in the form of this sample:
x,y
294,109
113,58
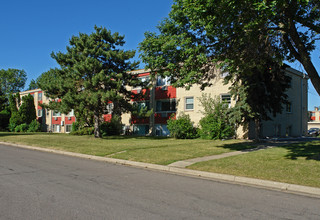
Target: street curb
x,y
285,187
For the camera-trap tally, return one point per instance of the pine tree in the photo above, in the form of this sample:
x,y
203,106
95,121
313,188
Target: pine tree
x,y
93,72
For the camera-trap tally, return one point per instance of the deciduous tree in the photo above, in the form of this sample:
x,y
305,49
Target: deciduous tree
x,y
248,39
12,80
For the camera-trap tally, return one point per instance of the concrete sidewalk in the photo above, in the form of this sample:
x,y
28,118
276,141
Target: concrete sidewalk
x,y
311,191
185,163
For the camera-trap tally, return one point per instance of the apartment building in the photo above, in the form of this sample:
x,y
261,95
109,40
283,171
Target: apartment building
x,y
167,101
314,118
51,121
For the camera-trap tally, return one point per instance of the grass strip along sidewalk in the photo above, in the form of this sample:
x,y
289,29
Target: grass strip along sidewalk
x,y
295,164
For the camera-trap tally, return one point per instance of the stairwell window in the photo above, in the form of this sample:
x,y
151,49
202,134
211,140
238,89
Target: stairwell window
x,y
39,112
289,107
39,96
56,114
189,103
226,99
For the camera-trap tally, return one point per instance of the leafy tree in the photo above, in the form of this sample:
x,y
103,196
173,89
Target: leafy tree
x,y
92,72
203,30
12,80
247,39
33,85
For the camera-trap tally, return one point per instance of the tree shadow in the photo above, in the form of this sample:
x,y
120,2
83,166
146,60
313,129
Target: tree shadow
x,y
6,134
125,137
309,150
3,134
243,146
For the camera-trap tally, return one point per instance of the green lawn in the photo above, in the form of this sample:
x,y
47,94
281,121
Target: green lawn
x,y
296,164
144,149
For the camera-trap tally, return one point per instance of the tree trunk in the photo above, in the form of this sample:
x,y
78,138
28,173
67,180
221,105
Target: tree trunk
x,y
97,133
257,129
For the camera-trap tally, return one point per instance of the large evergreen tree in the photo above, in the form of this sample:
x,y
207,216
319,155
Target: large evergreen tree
x,y
93,72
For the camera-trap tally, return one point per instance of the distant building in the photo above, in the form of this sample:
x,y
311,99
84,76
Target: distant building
x,y
166,100
314,118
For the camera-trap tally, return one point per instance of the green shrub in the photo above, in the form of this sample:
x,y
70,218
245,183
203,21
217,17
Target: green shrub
x,y
213,127
21,128
182,127
34,126
75,126
114,127
83,131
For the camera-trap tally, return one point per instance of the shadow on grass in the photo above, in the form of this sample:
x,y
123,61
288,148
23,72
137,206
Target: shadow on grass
x,y
124,137
309,150
243,146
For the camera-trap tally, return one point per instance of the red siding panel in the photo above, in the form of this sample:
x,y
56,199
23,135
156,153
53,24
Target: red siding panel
x,y
68,121
107,117
56,122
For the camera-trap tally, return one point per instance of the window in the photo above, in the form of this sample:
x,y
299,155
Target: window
x,y
162,130
108,108
166,105
290,81
226,98
313,114
163,81
56,128
143,105
289,107
68,128
141,129
56,114
39,112
189,103
39,96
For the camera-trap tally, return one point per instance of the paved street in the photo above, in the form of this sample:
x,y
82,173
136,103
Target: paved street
x,y
39,185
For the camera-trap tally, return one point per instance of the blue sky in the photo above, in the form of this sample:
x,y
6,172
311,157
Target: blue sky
x,y
32,29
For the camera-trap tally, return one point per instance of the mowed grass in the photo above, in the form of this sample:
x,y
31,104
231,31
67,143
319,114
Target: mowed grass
x,y
295,164
144,149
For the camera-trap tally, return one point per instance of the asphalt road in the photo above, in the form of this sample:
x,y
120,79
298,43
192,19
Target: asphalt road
x,y
39,185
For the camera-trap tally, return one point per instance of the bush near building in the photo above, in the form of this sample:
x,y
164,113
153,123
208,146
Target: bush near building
x,y
182,127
